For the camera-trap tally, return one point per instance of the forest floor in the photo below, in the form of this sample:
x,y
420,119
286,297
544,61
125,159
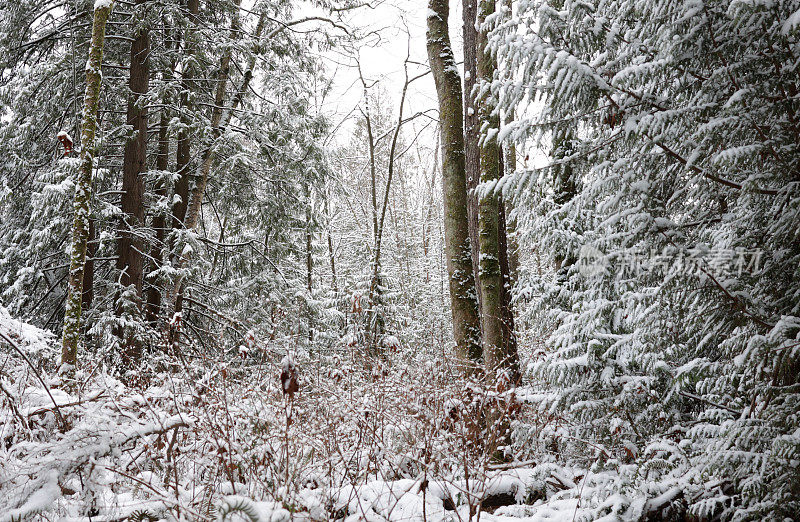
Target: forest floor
x,y
218,440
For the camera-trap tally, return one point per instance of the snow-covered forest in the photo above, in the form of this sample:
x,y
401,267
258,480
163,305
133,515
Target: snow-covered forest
x,y
400,260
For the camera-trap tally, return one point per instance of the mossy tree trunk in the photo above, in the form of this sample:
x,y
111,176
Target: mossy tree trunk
x,y
499,341
463,302
83,191
490,277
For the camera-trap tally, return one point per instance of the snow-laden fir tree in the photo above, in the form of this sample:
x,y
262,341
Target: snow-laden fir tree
x,y
257,152
669,216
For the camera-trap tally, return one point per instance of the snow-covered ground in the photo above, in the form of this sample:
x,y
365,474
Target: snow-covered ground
x,y
227,443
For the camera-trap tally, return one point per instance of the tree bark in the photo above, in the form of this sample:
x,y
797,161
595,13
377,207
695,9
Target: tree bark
x,y
183,152
83,191
472,154
463,304
159,220
88,271
198,190
130,246
490,277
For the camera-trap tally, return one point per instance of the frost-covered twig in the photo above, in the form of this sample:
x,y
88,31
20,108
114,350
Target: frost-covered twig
x,y
10,341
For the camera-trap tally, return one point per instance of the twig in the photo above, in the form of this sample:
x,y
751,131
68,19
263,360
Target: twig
x,y
67,404
11,400
56,409
712,403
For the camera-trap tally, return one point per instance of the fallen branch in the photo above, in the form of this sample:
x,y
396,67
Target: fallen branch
x,y
39,411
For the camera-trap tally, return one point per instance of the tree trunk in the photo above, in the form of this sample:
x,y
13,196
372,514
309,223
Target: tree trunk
x,y
372,324
159,220
490,278
183,152
511,356
83,190
88,271
509,265
499,342
331,253
160,223
309,262
508,272
472,154
198,191
509,167
130,245
463,305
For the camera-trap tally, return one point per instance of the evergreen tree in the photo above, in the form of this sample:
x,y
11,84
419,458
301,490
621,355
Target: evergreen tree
x,y
670,214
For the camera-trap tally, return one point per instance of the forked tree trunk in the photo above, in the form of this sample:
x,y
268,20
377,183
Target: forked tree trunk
x,y
130,245
463,303
83,190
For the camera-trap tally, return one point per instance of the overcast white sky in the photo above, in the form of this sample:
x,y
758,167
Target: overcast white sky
x,y
382,59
